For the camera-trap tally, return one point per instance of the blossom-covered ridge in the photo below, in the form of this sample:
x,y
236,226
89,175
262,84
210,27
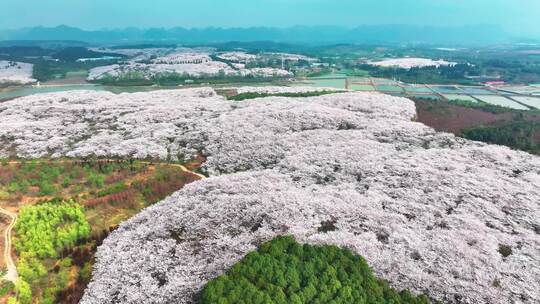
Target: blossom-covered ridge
x,y
428,210
18,73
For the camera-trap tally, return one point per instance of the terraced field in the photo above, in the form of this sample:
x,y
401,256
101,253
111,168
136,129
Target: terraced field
x,y
533,102
459,97
362,87
501,101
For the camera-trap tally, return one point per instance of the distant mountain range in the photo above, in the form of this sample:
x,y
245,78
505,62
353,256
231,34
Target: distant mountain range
x,y
390,34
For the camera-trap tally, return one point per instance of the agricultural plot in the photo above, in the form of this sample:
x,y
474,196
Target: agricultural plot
x,y
426,96
476,91
382,81
362,87
390,88
446,89
501,101
330,76
417,89
459,97
533,89
506,93
331,83
361,80
529,101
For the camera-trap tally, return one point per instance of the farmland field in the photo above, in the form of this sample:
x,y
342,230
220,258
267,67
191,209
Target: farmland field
x,y
459,97
426,96
330,76
476,91
418,89
530,101
362,87
382,81
390,88
446,89
332,83
362,80
522,89
501,101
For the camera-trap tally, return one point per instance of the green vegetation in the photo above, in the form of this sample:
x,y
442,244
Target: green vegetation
x,y
505,250
45,229
60,178
522,135
244,96
6,287
283,271
43,232
55,239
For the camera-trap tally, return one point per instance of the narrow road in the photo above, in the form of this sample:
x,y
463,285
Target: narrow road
x,y
11,274
183,168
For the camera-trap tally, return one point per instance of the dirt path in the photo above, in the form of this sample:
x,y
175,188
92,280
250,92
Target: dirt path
x,y
183,168
11,274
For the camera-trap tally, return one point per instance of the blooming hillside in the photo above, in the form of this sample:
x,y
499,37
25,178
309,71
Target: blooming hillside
x,y
409,63
15,72
183,62
432,213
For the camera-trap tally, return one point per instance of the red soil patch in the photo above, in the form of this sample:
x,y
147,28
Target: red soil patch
x,y
452,118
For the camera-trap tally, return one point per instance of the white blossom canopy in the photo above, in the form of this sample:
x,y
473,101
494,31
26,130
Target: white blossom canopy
x,y
427,210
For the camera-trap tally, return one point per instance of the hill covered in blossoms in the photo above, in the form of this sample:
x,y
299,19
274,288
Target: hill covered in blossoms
x,y
15,73
438,215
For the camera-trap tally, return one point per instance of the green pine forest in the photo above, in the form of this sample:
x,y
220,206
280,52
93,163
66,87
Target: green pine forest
x,y
283,271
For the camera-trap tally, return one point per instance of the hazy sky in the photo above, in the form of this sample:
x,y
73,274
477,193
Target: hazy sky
x,y
517,16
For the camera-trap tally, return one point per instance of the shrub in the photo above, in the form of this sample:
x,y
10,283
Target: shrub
x,y
12,300
505,250
96,180
6,287
4,195
24,292
116,188
283,271
45,188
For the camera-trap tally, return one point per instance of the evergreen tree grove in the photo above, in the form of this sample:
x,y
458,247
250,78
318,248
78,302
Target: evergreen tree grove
x,y
282,271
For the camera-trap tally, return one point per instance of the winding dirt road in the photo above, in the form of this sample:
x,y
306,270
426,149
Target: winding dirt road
x,y
11,274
